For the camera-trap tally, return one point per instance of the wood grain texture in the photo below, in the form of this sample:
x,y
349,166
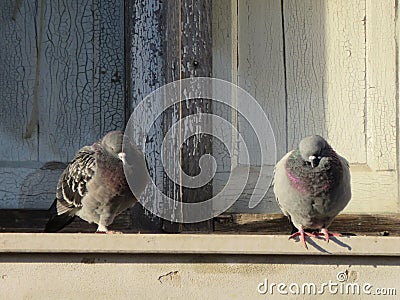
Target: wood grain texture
x,y
17,220
372,191
360,224
305,39
172,48
38,188
364,224
145,74
344,78
82,94
17,77
261,66
381,91
268,203
11,182
188,54
196,56
66,103
223,68
109,63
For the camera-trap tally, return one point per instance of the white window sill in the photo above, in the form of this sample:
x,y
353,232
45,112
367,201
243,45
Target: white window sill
x,y
195,244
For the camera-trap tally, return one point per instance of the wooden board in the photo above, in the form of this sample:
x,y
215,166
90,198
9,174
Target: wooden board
x,y
382,93
382,225
17,81
144,65
82,78
261,69
188,49
35,220
325,67
325,73
63,66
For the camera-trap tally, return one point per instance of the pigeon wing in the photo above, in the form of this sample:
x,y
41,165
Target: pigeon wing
x,y
72,185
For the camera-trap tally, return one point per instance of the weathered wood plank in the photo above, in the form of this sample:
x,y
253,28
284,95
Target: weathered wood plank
x,y
267,205
38,189
196,58
82,93
188,54
260,71
261,66
35,221
305,27
144,54
67,81
29,185
382,93
11,183
325,67
224,52
18,58
172,70
109,62
373,191
76,102
278,224
344,78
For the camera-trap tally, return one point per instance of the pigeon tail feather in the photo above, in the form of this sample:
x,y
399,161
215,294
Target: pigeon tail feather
x,y
58,222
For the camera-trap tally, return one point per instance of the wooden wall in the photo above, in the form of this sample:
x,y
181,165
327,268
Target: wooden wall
x,y
61,87
315,67
321,67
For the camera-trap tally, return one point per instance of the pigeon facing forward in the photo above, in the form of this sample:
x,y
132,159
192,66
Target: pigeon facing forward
x,y
93,186
312,186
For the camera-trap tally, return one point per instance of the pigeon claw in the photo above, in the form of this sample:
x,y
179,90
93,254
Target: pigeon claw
x,y
302,235
108,232
327,234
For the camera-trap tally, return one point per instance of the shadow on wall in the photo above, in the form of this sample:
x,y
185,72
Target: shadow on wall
x,y
38,190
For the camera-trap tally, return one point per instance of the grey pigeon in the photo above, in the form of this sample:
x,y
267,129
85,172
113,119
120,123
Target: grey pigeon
x,y
93,186
312,186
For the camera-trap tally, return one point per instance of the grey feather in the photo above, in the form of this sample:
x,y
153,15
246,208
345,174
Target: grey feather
x,y
93,186
312,184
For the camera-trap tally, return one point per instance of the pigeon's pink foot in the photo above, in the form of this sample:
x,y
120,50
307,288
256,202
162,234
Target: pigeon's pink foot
x,y
327,234
302,235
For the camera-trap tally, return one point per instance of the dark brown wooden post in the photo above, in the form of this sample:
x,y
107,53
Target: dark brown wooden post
x,y
167,41
144,62
188,53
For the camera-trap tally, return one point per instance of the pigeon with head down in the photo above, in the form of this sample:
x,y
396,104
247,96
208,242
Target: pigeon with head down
x,y
312,186
93,186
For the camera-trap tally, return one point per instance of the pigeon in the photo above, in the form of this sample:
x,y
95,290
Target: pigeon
x,y
94,187
312,186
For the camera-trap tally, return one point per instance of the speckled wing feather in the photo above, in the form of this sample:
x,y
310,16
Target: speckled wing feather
x,y
72,184
71,188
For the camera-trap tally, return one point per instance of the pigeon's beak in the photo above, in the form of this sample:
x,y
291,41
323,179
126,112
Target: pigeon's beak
x,y
122,157
314,161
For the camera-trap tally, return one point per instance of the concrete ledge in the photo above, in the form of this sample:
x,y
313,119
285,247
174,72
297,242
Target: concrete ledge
x,y
195,244
195,266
